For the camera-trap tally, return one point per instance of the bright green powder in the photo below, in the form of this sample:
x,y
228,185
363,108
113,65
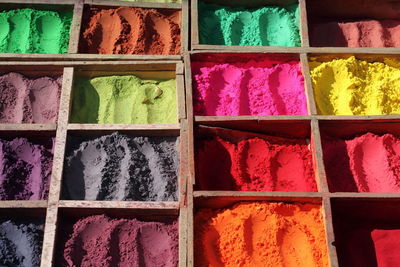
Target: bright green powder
x,y
266,26
34,31
124,100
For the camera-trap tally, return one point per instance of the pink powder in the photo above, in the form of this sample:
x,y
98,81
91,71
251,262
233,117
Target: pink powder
x,y
369,163
258,86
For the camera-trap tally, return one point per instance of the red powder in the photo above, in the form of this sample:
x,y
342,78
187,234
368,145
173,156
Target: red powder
x,y
369,163
387,244
255,164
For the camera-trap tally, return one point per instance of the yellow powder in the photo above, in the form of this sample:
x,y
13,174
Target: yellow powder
x,y
356,87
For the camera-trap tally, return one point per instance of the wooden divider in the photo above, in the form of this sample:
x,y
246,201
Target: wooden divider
x,y
338,126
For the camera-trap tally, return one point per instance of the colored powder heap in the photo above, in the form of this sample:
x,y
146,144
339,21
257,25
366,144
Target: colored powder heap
x,y
366,33
265,26
368,163
21,243
356,87
119,167
255,165
386,243
250,88
25,170
25,100
124,99
34,31
261,234
102,241
128,30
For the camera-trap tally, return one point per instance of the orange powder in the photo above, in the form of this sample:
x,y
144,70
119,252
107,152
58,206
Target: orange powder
x,y
261,234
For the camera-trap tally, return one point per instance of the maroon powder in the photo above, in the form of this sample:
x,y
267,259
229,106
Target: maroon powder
x,y
103,241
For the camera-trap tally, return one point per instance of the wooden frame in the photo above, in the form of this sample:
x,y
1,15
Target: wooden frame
x,y
78,8
53,206
340,126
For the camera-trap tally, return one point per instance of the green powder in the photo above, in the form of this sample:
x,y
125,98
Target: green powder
x,y
34,31
125,100
266,26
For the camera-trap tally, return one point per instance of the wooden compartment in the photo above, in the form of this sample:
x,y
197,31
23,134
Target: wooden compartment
x,y
69,212
233,57
220,200
78,7
195,29
148,70
355,219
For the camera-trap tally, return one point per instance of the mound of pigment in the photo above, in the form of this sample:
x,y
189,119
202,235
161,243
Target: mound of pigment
x,y
260,234
248,88
25,169
34,31
124,99
255,164
264,26
356,87
129,30
119,167
25,100
102,241
21,243
366,33
368,163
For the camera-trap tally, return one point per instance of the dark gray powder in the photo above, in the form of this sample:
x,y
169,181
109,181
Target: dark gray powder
x,y
120,167
20,243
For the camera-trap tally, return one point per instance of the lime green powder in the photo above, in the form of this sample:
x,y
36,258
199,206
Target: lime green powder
x,y
34,31
124,100
265,26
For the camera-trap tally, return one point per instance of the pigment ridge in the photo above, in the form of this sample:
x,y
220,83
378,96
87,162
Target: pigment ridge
x,y
257,88
128,30
119,167
103,241
264,26
124,99
26,100
25,170
356,87
34,31
261,234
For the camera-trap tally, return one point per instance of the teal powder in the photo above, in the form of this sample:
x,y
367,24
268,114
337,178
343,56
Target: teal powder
x,y
265,26
34,31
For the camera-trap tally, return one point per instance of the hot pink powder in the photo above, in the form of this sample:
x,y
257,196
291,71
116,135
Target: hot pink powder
x,y
249,87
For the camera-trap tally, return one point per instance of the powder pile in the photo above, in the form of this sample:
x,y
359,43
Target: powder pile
x,y
365,33
248,88
24,100
21,243
124,99
261,234
129,30
368,163
102,241
356,87
255,164
119,167
34,31
25,169
264,26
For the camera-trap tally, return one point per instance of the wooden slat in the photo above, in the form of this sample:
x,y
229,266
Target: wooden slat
x,y
305,42
27,127
75,27
117,204
318,158
311,105
330,235
134,4
123,127
17,204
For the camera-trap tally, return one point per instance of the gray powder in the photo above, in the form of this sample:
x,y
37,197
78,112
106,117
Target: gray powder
x,y
20,243
120,167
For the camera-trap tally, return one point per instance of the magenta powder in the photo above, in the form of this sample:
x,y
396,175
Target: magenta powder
x,y
25,169
253,87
